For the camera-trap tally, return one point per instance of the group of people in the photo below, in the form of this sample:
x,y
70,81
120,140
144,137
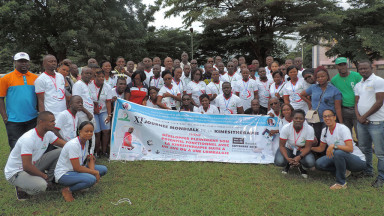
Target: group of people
x,y
75,107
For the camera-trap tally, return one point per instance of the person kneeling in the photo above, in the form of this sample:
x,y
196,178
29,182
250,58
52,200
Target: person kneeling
x,y
295,145
341,156
76,168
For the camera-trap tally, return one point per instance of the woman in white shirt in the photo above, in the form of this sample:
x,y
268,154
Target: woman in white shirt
x,y
293,88
295,145
169,93
342,156
76,168
196,87
276,89
205,107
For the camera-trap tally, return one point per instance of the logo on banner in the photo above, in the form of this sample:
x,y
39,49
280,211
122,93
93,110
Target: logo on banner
x,y
123,116
139,120
127,106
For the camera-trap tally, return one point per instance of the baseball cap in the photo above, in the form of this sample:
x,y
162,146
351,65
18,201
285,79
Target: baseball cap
x,y
21,55
341,60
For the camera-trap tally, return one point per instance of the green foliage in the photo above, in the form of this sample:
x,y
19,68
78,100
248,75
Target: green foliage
x,y
85,28
246,27
355,32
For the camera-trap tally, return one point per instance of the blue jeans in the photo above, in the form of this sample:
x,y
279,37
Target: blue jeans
x,y
308,161
79,181
339,163
368,133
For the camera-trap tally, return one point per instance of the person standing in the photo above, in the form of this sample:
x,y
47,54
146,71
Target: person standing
x,y
246,89
184,60
18,99
345,81
50,88
263,85
215,87
369,111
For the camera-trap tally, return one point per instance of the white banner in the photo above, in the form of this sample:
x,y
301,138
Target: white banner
x,y
143,133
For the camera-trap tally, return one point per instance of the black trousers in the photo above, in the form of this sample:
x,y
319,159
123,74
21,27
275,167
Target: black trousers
x,y
16,129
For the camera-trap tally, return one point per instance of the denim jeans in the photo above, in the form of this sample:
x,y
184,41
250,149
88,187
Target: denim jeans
x,y
16,129
308,161
78,181
339,163
368,133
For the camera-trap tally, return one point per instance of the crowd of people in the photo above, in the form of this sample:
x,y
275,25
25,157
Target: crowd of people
x,y
72,108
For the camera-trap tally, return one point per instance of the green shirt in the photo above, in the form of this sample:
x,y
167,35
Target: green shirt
x,y
346,85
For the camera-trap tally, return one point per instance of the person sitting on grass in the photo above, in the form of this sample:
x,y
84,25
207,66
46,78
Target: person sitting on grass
x,y
295,145
205,107
76,168
342,156
28,160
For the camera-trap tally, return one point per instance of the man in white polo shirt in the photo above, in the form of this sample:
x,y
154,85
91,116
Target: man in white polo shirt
x,y
227,102
369,109
27,162
50,88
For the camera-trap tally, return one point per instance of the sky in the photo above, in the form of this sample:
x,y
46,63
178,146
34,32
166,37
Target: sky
x,y
176,22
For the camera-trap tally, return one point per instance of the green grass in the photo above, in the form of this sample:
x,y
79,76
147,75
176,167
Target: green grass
x,y
199,188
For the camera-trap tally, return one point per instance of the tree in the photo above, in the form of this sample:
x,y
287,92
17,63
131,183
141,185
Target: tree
x,y
87,28
355,32
246,27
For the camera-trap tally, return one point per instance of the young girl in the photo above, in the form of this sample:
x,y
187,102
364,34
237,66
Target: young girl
x,y
75,168
205,107
152,101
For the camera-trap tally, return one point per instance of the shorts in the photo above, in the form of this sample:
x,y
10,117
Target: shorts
x,y
100,122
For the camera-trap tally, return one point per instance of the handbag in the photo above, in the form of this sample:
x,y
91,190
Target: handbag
x,y
312,116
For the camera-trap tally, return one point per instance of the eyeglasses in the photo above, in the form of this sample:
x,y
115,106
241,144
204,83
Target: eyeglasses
x,y
230,66
307,77
193,63
185,99
328,116
274,103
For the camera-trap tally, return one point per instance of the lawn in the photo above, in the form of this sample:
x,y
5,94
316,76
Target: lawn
x,y
199,188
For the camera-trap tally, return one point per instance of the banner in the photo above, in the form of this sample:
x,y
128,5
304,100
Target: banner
x,y
143,133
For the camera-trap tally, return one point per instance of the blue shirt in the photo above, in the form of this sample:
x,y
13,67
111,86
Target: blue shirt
x,y
327,101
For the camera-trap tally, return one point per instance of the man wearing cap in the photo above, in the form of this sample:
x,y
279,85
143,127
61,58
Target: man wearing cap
x,y
345,81
17,89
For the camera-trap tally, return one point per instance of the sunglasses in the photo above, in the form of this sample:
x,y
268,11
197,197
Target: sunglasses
x,y
274,103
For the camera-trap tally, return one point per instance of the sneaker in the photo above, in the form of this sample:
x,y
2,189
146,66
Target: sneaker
x,y
303,172
286,169
347,173
21,195
67,194
338,186
378,183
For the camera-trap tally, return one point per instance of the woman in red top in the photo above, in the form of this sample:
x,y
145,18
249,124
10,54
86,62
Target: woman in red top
x,y
137,90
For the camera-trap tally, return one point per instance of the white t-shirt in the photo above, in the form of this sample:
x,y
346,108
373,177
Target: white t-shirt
x,y
185,79
366,90
296,140
174,91
53,88
181,86
228,106
30,143
71,150
283,122
246,91
66,123
214,88
293,91
196,89
276,89
111,81
264,92
82,89
148,76
116,94
158,83
212,109
105,95
338,137
150,104
232,79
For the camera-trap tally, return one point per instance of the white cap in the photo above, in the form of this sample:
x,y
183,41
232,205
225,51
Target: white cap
x,y
21,55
